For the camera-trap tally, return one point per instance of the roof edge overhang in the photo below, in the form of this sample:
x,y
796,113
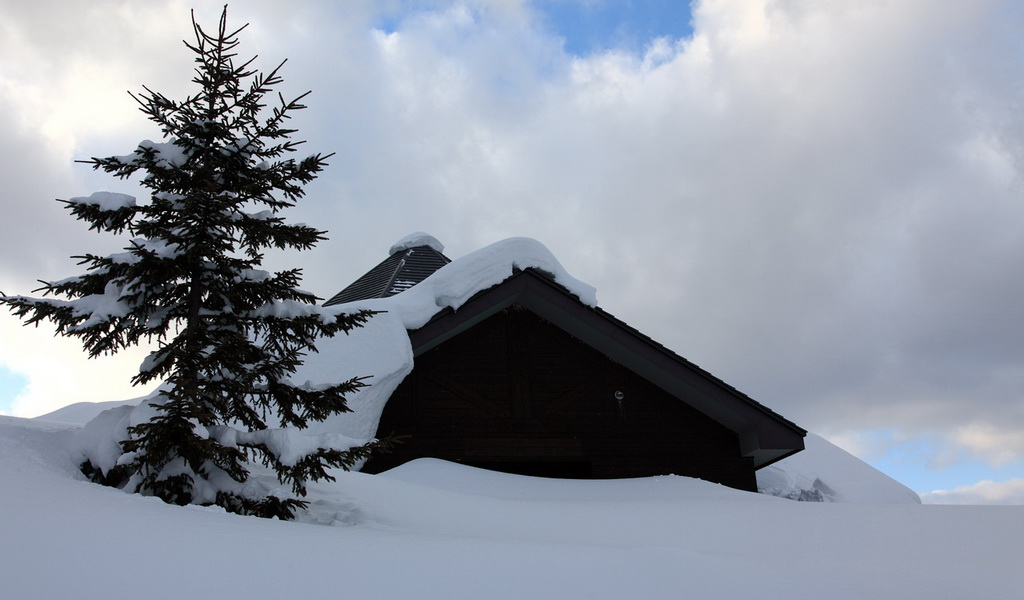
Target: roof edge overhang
x,y
764,436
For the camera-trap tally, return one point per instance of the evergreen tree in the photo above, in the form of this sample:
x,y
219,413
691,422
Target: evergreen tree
x,y
228,335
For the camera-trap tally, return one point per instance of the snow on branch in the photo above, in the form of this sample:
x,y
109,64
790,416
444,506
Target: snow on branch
x,y
106,201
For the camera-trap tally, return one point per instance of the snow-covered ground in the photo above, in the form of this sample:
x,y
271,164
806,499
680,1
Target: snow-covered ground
x,y
432,529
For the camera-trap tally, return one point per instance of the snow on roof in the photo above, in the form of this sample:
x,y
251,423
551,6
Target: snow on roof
x,y
416,239
455,283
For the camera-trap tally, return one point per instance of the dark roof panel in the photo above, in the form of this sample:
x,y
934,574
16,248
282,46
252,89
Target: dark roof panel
x,y
393,275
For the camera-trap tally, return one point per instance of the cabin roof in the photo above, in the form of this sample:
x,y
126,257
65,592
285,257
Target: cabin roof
x,y
764,435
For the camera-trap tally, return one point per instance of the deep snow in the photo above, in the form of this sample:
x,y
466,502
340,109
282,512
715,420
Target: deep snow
x,y
438,530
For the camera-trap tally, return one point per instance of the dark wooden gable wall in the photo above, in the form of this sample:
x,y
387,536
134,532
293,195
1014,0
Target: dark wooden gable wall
x,y
517,393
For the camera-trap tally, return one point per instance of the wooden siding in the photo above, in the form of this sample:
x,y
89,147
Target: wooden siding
x,y
515,393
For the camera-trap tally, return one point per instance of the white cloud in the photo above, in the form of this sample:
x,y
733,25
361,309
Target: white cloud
x,y
58,372
983,492
995,444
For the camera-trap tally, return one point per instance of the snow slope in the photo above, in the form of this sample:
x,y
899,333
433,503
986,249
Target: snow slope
x,y
438,530
823,472
81,413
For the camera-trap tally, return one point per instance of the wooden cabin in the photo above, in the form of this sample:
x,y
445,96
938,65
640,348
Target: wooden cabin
x,y
525,378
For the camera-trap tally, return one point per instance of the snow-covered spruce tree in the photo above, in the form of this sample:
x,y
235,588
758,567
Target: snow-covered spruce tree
x,y
228,335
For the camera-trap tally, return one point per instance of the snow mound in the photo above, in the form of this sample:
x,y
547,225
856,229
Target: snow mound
x,y
454,477
81,413
823,472
416,239
379,351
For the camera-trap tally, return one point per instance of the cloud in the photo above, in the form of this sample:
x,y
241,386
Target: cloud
x,y
995,444
57,372
983,492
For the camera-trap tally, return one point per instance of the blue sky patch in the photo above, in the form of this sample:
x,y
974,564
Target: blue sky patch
x,y
598,25
586,26
911,463
11,384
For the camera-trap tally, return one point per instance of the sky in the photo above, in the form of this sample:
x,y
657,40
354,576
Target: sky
x,y
819,203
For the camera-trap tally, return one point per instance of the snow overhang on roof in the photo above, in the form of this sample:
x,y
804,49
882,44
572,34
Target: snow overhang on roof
x,y
415,240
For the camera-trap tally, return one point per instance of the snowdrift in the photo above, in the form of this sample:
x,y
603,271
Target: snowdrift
x,y
439,530
823,472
